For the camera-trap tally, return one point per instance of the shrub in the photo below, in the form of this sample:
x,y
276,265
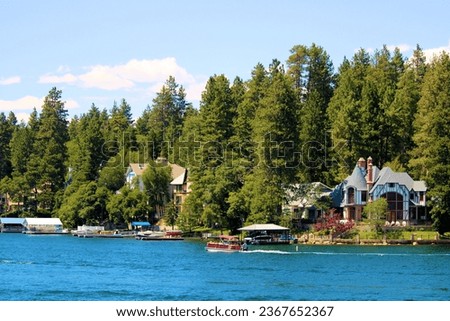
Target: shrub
x,y
332,223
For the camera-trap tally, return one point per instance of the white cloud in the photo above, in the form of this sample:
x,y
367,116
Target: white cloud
x,y
27,103
10,80
146,74
402,47
63,68
105,77
22,117
434,52
195,89
24,103
71,104
54,79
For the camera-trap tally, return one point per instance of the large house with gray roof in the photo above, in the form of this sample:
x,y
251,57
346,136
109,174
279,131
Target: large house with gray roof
x,y
406,197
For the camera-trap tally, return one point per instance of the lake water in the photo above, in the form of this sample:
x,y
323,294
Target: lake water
x,y
62,267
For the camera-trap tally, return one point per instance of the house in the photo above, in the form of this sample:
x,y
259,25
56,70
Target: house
x,y
35,225
302,200
11,224
134,175
8,205
2,203
179,187
406,197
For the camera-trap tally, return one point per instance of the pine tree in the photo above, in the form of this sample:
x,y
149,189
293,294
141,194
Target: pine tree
x,y
345,114
312,71
378,94
403,109
46,168
156,179
189,141
86,154
245,113
244,156
7,126
165,118
432,139
276,137
212,174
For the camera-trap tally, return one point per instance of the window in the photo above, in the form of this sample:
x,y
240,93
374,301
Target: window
x,y
395,206
351,195
363,196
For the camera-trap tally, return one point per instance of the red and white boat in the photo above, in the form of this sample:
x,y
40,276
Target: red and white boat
x,y
226,243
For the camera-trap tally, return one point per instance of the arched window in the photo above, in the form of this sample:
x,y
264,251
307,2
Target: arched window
x,y
395,205
351,195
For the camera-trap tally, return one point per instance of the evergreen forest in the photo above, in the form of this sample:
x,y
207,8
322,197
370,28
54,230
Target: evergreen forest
x,y
292,122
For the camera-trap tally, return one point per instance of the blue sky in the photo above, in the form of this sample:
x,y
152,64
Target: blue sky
x,y
102,51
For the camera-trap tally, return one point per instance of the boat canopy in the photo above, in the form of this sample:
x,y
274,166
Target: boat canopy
x,y
42,221
140,224
12,220
263,227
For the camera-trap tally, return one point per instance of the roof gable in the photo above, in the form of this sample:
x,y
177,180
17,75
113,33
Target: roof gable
x,y
179,180
357,179
42,221
177,170
138,169
420,186
11,220
388,176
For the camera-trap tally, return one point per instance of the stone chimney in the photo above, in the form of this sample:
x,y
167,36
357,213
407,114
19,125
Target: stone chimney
x,y
369,174
362,163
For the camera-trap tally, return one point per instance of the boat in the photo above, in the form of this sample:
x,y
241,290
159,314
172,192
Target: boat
x,y
99,234
267,234
225,243
160,236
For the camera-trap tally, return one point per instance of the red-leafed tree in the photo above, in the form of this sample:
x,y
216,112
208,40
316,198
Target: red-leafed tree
x,y
332,223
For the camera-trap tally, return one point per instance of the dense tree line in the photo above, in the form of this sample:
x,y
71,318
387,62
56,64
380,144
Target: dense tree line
x,y
244,146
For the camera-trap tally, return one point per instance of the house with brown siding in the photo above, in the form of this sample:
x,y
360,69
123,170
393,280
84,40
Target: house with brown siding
x,y
179,187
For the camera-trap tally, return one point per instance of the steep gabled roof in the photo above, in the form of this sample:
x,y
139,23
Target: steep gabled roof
x,y
177,170
316,191
420,186
375,173
357,179
179,180
387,176
139,168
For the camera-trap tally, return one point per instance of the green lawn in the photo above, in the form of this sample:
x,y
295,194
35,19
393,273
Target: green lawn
x,y
399,234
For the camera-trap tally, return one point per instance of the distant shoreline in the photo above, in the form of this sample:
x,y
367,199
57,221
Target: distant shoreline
x,y
376,242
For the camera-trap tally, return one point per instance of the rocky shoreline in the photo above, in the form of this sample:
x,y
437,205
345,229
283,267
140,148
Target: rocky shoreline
x,y
358,241
312,239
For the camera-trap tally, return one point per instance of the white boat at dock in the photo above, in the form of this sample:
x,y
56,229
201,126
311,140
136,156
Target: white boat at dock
x,y
160,236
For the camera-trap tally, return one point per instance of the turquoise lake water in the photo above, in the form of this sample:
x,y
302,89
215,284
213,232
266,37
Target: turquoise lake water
x,y
62,267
